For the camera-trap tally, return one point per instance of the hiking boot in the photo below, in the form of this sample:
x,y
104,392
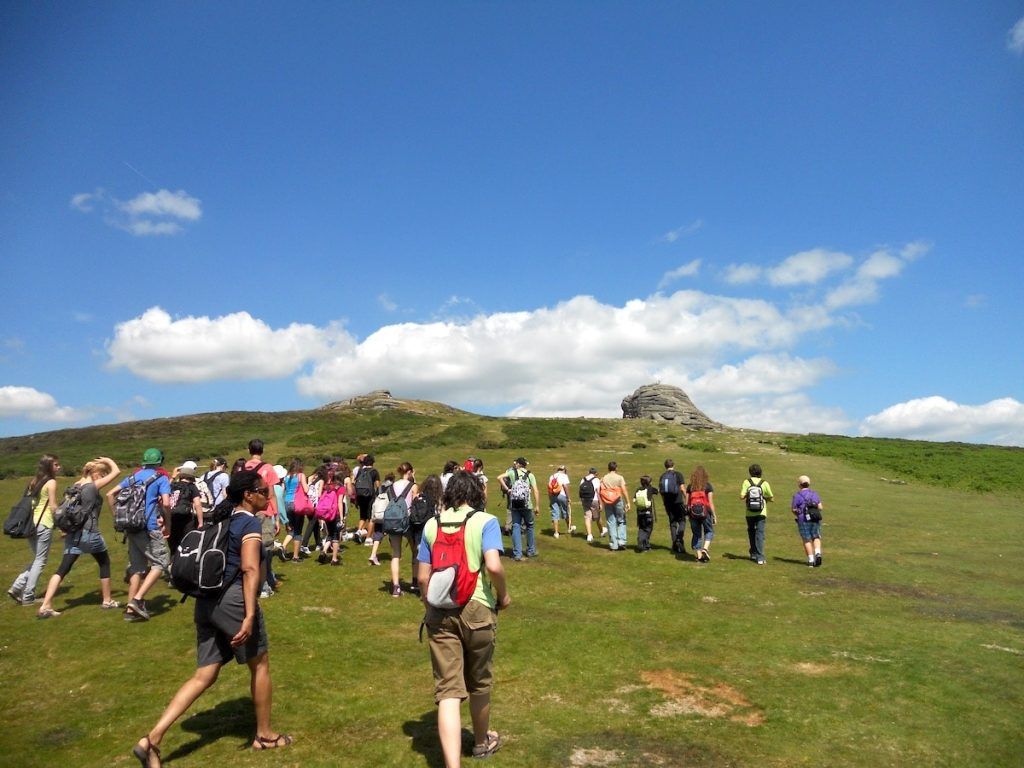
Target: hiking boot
x,y
136,608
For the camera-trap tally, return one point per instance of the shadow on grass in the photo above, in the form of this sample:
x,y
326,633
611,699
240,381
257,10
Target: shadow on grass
x,y
790,560
426,742
229,719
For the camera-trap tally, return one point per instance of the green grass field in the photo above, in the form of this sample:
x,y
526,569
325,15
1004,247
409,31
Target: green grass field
x,y
905,649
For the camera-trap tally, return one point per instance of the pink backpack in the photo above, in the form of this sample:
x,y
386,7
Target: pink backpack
x,y
327,504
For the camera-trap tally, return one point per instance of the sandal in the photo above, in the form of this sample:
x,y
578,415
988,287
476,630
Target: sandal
x,y
144,755
47,613
108,604
489,747
281,740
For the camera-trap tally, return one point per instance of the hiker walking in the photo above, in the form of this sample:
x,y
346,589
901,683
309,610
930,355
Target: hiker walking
x,y
86,540
43,488
186,505
807,508
367,480
230,625
756,493
148,556
461,635
672,487
588,490
644,502
521,486
558,493
615,498
700,506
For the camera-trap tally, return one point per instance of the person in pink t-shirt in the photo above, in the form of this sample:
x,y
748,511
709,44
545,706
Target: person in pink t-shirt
x,y
268,518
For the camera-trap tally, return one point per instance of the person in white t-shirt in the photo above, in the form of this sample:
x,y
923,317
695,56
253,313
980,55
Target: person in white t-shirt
x,y
558,493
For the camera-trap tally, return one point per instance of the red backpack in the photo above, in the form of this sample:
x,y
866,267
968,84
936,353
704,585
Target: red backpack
x,y
451,583
699,508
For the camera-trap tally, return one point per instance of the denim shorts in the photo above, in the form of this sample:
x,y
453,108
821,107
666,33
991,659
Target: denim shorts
x,y
85,543
809,530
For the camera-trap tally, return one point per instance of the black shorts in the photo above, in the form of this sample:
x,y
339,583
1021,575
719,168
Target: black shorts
x,y
365,505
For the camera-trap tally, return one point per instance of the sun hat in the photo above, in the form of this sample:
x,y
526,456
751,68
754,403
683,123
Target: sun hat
x,y
803,480
281,471
188,468
153,456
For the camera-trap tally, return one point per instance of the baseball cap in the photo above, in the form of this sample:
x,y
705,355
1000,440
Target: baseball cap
x,y
188,468
153,456
593,470
803,480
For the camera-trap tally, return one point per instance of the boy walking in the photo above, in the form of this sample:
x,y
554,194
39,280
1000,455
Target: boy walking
x,y
756,493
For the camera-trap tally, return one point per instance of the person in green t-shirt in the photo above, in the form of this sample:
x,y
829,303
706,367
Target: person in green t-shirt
x,y
756,493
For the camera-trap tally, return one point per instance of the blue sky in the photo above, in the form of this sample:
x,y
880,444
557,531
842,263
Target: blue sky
x,y
809,216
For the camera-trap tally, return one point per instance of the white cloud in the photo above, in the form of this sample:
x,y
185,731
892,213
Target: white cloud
x,y
808,267
236,346
674,234
862,286
998,422
176,205
82,317
1015,38
736,274
595,351
29,403
386,302
150,213
686,270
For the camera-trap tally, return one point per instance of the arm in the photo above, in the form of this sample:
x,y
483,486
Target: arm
x,y
304,483
711,503
112,472
496,573
163,513
251,546
51,493
197,509
536,493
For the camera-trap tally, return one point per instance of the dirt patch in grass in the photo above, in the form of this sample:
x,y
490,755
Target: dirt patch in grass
x,y
318,609
812,668
592,758
685,697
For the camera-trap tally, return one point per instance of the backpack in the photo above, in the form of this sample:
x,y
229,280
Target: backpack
x,y
519,493
810,508
554,487
451,583
642,500
669,483
396,513
197,568
21,522
587,492
420,511
364,483
130,505
699,508
71,515
755,497
609,495
204,485
181,498
327,504
380,504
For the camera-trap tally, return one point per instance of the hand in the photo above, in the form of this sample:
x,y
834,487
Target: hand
x,y
504,601
243,632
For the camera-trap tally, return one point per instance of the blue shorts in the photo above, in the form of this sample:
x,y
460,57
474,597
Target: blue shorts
x,y
85,543
809,531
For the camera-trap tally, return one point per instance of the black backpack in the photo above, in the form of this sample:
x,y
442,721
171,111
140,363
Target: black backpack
x,y
20,522
587,492
71,515
668,484
364,483
420,511
182,493
197,568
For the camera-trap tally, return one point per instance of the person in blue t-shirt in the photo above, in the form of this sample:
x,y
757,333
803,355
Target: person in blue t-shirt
x,y
230,625
148,555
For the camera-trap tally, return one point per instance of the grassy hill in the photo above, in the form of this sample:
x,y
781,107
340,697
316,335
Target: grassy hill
x,y
906,648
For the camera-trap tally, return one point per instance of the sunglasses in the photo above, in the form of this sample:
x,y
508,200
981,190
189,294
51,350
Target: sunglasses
x,y
264,492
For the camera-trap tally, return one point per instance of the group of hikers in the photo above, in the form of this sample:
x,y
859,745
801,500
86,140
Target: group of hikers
x,y
456,551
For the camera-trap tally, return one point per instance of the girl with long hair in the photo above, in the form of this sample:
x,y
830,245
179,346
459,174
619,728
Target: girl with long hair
x,y
700,494
44,487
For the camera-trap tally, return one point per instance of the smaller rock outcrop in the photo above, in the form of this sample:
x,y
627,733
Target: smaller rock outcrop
x,y
663,402
379,399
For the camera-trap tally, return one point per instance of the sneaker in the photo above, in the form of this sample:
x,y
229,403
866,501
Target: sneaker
x,y
760,562
373,561
415,588
349,536
266,593
335,562
131,618
817,560
604,532
136,608
590,538
321,558
15,596
707,556
367,542
810,563
305,551
556,534
753,557
396,591
280,553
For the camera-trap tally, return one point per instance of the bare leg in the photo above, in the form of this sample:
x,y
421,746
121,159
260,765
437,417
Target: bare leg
x,y
480,711
262,693
51,590
147,584
193,688
133,585
449,729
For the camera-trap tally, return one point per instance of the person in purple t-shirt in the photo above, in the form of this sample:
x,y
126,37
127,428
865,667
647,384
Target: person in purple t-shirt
x,y
807,508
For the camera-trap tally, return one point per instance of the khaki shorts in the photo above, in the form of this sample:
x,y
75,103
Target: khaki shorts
x,y
462,650
146,550
594,512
